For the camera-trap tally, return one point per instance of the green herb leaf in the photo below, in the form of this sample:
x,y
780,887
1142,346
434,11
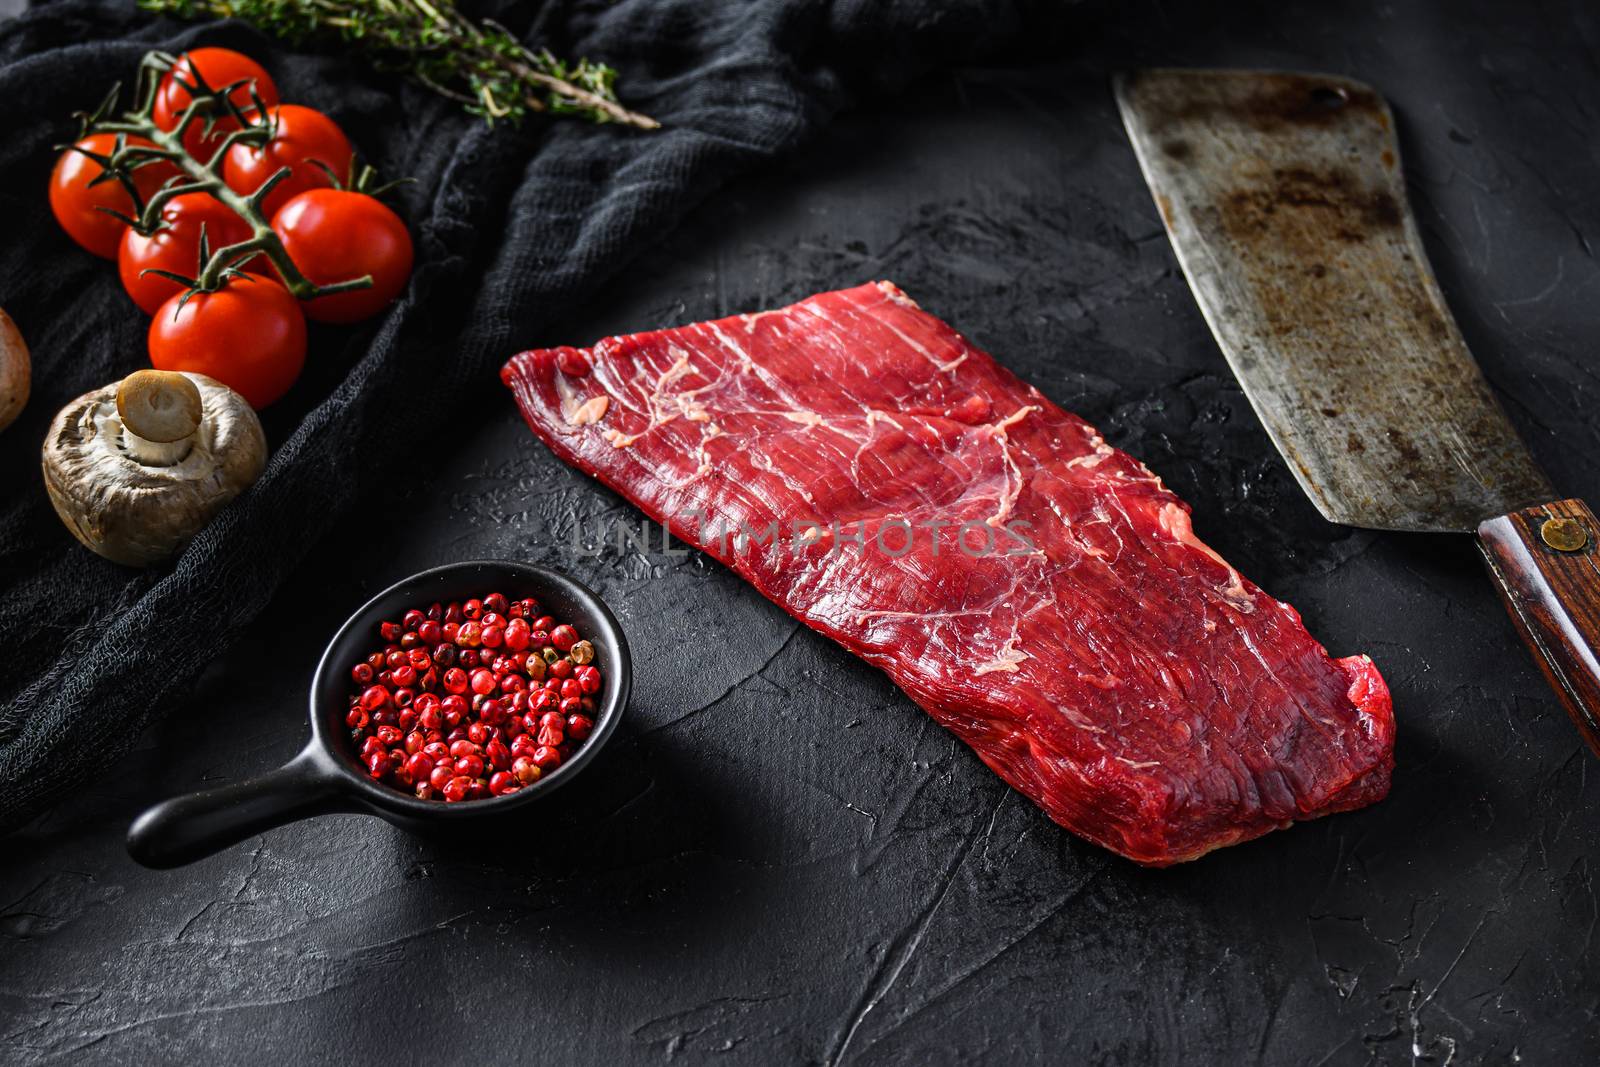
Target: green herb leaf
x,y
481,65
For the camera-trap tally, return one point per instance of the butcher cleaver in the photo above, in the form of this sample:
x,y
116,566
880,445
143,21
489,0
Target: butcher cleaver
x,y
1283,196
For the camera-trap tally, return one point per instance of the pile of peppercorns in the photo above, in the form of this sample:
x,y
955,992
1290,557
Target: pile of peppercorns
x,y
473,699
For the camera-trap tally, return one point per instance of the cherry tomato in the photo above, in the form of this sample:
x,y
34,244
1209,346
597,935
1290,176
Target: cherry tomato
x,y
333,235
77,204
249,335
302,135
176,247
219,67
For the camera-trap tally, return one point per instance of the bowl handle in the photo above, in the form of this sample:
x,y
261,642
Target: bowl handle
x,y
195,825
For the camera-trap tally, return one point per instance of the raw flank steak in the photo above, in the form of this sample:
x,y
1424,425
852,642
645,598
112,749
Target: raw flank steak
x,y
1037,591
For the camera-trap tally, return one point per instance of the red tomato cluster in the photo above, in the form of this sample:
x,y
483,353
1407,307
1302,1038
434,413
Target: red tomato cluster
x,y
250,333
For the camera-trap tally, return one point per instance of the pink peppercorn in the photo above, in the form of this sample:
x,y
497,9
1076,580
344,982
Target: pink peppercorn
x,y
471,700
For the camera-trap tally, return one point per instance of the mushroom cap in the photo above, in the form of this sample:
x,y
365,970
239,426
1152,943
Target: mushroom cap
x,y
159,405
136,513
16,375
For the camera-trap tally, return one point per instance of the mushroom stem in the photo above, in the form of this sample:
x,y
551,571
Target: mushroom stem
x,y
156,453
160,412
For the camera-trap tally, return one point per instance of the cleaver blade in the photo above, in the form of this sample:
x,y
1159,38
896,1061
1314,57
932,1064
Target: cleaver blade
x,y
1284,199
1283,196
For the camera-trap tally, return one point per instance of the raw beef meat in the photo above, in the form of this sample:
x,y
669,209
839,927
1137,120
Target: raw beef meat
x,y
1037,591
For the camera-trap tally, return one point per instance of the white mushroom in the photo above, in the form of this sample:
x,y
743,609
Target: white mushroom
x,y
15,373
136,468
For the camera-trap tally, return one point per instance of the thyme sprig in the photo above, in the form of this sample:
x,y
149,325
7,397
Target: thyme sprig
x,y
481,64
206,106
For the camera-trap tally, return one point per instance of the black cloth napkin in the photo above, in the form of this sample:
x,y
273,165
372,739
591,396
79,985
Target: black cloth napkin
x,y
511,225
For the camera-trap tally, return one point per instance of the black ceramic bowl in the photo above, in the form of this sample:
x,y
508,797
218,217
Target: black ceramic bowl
x,y
325,778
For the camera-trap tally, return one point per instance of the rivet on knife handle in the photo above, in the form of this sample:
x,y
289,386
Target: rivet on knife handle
x,y
1564,535
1544,561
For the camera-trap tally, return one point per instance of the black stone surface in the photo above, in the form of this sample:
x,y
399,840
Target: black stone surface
x,y
780,859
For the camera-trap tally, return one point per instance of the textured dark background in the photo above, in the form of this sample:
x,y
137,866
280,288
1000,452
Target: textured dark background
x,y
780,858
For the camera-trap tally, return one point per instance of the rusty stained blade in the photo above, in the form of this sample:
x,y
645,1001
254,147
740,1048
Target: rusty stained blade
x,y
1283,196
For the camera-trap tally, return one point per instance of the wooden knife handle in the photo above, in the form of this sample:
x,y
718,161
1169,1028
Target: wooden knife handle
x,y
1546,562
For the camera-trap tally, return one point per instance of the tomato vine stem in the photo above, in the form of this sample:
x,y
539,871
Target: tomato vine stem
x,y
207,106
